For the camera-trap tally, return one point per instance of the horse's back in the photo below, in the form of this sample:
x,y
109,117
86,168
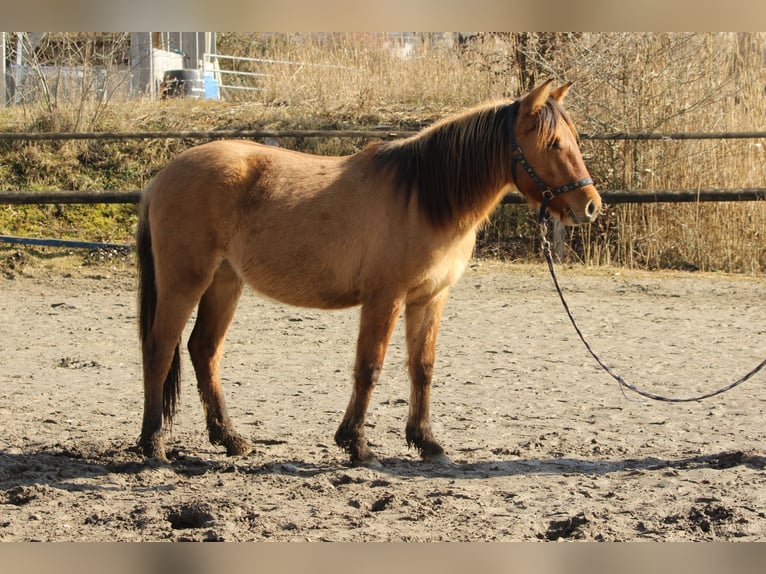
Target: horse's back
x,y
226,167
215,185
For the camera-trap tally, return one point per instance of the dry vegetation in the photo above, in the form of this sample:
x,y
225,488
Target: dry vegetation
x,y
626,82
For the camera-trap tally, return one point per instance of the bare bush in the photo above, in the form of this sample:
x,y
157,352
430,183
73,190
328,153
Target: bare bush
x,y
66,81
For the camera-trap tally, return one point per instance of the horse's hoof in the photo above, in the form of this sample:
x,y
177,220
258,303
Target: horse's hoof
x,y
156,462
240,450
440,459
153,448
238,446
371,463
368,460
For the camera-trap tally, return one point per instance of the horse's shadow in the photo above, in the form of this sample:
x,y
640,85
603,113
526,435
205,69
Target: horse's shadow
x,y
570,465
410,467
71,469
400,467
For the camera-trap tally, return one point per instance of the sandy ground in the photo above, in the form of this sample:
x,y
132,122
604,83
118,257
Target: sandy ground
x,y
545,445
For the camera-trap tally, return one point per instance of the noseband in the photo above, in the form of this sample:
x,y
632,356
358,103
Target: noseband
x,y
518,157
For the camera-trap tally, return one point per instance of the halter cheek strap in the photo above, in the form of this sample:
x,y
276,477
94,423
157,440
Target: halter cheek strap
x,y
518,157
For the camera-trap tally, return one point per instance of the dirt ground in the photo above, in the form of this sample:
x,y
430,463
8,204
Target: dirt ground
x,y
545,445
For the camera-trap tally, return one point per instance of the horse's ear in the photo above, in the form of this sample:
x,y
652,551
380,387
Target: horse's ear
x,y
559,93
536,99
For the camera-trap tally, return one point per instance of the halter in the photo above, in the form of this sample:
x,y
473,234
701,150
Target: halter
x,y
518,156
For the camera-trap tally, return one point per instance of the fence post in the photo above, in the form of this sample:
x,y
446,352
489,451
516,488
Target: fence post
x,y
3,87
559,240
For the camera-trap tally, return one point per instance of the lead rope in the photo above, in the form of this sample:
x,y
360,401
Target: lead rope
x,y
624,384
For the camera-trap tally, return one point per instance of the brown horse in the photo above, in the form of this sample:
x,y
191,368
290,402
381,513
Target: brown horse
x,y
388,228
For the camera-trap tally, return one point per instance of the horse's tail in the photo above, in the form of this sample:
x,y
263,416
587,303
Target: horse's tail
x,y
147,307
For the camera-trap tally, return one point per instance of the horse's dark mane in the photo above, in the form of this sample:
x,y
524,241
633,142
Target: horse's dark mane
x,y
456,163
450,165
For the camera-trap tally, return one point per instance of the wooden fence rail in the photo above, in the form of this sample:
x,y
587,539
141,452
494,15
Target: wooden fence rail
x,y
379,133
608,196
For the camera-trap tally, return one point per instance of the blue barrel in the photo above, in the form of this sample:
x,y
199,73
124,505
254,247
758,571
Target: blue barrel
x,y
211,87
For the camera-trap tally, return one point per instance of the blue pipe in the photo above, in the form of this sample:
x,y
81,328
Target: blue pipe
x,y
62,243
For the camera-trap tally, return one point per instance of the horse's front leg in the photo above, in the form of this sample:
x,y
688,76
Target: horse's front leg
x,y
422,319
376,325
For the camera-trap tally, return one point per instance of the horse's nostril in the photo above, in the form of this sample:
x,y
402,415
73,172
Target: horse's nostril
x,y
591,210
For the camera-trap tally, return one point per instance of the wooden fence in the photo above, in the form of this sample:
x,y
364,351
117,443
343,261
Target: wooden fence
x,y
378,133
609,196
133,196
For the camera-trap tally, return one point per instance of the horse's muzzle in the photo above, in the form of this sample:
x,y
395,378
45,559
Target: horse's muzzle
x,y
580,215
592,209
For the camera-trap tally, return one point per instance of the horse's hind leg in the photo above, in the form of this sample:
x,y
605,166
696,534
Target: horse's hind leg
x,y
174,307
376,325
422,323
206,343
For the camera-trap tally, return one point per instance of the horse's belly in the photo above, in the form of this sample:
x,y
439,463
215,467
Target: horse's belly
x,y
301,285
315,297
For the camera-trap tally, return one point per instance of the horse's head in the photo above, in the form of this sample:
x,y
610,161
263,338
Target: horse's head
x,y
547,166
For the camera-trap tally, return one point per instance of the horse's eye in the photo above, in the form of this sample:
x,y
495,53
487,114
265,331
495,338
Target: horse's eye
x,y
554,144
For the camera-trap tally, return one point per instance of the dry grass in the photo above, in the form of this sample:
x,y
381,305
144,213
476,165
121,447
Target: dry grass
x,y
625,82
